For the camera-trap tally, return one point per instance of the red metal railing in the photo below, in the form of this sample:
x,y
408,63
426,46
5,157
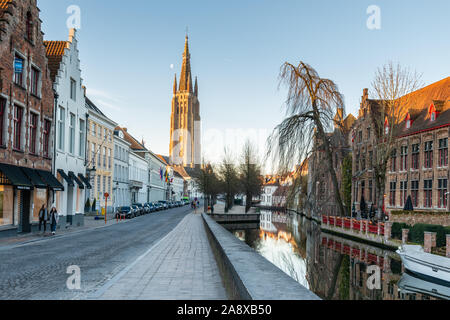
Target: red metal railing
x,y
354,224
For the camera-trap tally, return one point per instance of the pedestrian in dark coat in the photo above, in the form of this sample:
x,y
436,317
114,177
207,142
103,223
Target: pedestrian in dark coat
x,y
43,217
54,219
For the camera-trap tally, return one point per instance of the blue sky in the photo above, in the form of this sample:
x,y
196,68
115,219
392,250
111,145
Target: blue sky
x,y
237,48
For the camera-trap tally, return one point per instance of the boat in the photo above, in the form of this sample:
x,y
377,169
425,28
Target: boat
x,y
427,265
411,284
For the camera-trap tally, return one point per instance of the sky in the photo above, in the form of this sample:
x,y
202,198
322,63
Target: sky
x,y
130,53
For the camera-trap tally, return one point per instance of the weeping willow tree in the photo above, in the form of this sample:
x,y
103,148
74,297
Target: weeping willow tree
x,y
311,105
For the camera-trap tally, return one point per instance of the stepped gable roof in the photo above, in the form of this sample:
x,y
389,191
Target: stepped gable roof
x,y
55,52
135,145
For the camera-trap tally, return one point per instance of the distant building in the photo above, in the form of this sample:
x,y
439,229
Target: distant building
x,y
269,189
26,119
71,127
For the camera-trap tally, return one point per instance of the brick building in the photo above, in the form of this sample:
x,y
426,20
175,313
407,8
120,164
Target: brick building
x,y
321,186
26,118
419,162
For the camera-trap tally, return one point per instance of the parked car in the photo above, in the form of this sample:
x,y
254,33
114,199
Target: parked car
x,y
136,210
126,212
149,207
140,207
165,204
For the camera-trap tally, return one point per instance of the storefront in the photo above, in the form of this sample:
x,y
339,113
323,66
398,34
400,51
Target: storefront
x,y
23,192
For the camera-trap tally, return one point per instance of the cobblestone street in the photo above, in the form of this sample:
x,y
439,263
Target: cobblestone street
x,y
38,270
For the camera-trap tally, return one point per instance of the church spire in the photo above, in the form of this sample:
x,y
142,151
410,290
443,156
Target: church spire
x,y
186,78
196,87
175,85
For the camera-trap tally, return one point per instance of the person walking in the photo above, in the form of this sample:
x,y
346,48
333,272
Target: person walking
x,y
43,217
54,219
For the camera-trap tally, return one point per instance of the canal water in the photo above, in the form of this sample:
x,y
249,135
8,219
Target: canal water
x,y
334,268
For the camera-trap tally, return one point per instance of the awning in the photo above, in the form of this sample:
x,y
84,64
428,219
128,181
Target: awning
x,y
85,181
50,180
66,177
74,178
34,177
12,175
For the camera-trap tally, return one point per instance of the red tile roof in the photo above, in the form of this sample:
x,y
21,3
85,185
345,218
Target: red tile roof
x,y
55,52
4,4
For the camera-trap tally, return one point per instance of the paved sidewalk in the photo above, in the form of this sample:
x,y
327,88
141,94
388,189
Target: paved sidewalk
x,y
180,267
89,223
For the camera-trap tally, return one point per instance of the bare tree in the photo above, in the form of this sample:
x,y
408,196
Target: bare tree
x,y
250,174
229,179
208,183
391,89
311,106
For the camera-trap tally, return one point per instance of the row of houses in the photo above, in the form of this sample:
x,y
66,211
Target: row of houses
x,y
417,167
57,148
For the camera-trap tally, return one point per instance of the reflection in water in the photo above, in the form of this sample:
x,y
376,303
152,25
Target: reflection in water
x,y
333,267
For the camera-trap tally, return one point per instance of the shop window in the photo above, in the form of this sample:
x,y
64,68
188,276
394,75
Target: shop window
x,y
6,205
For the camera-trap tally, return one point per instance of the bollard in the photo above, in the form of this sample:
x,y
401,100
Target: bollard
x,y
387,230
405,233
367,227
448,246
379,228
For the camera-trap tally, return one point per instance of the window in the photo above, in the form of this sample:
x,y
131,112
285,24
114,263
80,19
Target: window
x,y
443,152
18,115
99,157
415,156
104,158
99,187
19,66
403,192
2,119
415,193
370,190
35,78
29,27
428,193
408,124
93,154
368,133
370,160
72,134
442,189
94,129
363,163
433,116
404,158
104,186
363,187
393,187
73,89
428,161
33,132
61,128
109,158
81,152
360,136
394,160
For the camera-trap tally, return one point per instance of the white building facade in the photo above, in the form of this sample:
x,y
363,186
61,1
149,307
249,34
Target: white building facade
x,y
71,128
121,181
138,178
267,199
158,186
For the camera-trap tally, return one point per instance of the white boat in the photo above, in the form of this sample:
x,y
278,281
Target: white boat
x,y
425,264
410,284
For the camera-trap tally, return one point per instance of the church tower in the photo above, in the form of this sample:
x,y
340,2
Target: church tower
x,y
185,123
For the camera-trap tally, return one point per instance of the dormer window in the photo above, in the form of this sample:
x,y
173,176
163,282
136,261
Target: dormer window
x,y
433,116
408,124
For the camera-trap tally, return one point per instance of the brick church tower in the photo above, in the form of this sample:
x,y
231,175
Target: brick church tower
x,y
185,128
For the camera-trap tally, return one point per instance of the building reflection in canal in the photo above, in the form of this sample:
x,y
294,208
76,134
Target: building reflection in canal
x,y
333,267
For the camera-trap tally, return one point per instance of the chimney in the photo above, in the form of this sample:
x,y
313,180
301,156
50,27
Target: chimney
x,y
125,129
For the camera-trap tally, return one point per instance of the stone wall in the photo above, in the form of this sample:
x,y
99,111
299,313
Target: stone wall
x,y
413,219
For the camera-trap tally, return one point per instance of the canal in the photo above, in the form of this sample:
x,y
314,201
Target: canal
x,y
333,267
